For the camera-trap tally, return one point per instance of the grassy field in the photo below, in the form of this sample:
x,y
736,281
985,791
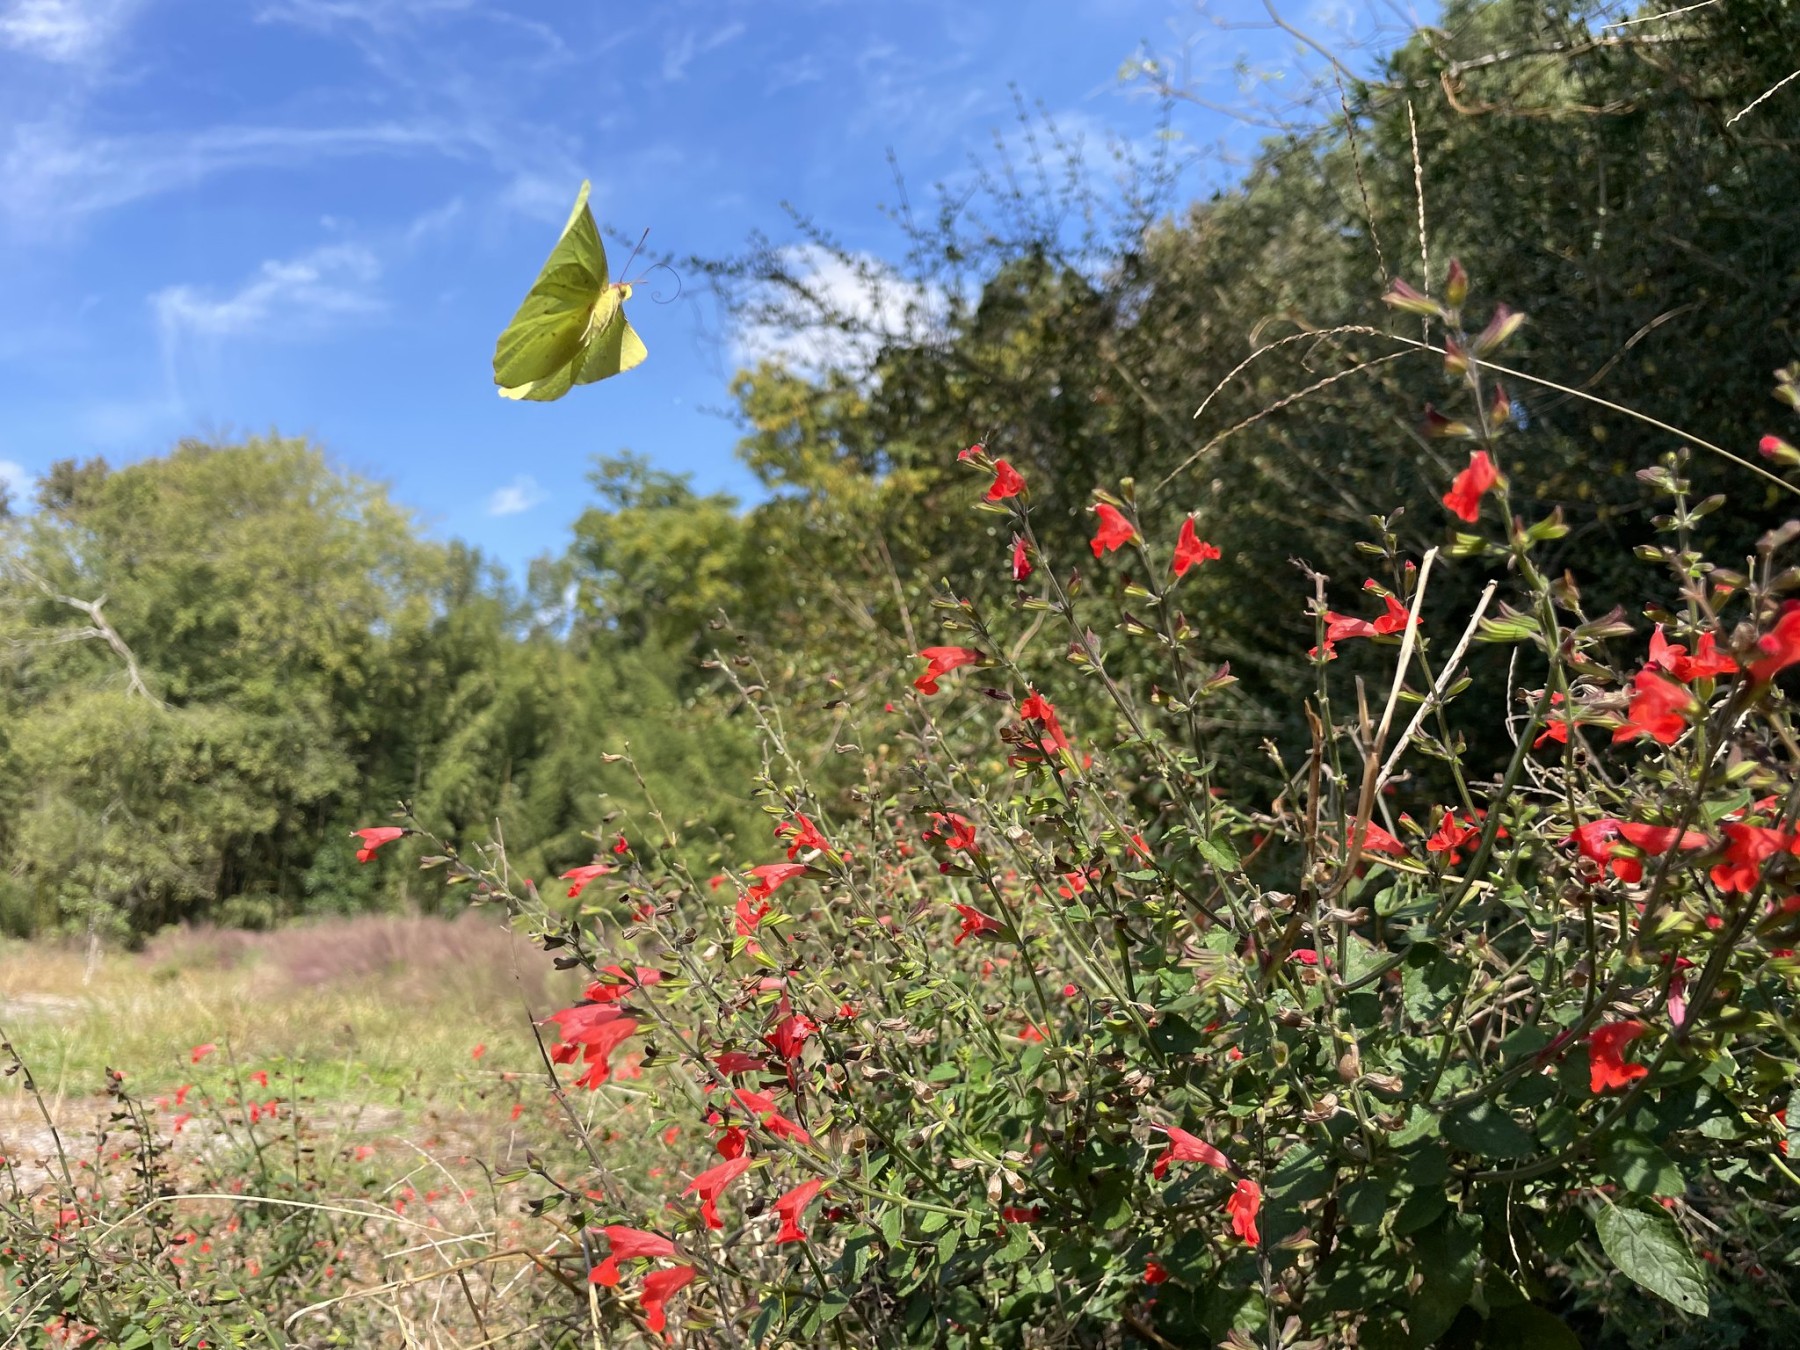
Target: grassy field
x,y
335,1163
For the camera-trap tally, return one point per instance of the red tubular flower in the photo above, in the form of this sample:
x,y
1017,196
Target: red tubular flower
x,y
1555,728
622,983
974,922
1376,840
1451,836
1114,531
1659,708
600,1029
1747,847
1185,1147
1597,841
770,877
659,1286
1607,1069
956,832
1154,1271
710,1184
621,846
941,661
730,1144
1242,1205
1021,560
200,1052
1706,662
373,839
1036,708
790,1035
1008,482
627,1244
736,1061
749,915
582,875
1780,645
1466,492
805,835
791,1206
1191,549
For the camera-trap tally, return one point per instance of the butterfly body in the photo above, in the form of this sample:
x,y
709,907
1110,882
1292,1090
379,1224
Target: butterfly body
x,y
571,328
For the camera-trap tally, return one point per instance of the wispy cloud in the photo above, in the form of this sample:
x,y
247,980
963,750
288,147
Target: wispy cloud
x,y
689,43
49,173
62,30
290,297
516,497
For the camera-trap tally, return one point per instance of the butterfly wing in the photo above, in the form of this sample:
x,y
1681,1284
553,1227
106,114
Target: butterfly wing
x,y
614,346
548,333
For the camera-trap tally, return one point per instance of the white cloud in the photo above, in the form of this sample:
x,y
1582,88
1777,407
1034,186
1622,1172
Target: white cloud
x,y
62,30
16,482
518,496
829,293
287,297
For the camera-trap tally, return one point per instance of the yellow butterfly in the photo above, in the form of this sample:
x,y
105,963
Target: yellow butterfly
x,y
572,328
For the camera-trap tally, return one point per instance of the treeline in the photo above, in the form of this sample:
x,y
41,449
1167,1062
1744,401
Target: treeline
x,y
280,656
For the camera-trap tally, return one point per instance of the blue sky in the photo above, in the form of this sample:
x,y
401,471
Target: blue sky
x,y
221,217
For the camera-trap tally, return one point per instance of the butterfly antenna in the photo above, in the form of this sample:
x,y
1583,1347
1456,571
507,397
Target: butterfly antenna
x,y
634,253
658,296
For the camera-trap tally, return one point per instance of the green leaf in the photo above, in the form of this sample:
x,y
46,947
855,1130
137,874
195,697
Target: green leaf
x,y
893,1223
1793,1123
1639,1165
1448,1260
571,328
1218,851
1485,1130
1649,1250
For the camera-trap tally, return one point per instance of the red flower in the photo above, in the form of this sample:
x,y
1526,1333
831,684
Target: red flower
x,y
1008,482
622,846
1185,1147
710,1184
736,1061
1452,836
1747,847
200,1052
955,831
976,449
1377,840
790,1035
1029,1031
603,992
806,835
1340,627
1114,531
476,1053
1465,494
749,915
1037,708
658,1286
1781,644
1154,1271
1705,663
627,1244
1242,1204
791,1206
374,838
582,875
1555,728
1021,561
1596,839
1606,1069
770,877
598,1027
731,1143
1191,549
974,922
1659,708
941,661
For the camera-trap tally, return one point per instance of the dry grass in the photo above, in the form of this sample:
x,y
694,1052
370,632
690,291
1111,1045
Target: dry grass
x,y
377,1007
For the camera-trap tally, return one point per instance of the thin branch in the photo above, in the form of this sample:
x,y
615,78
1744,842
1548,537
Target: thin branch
x,y
134,679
